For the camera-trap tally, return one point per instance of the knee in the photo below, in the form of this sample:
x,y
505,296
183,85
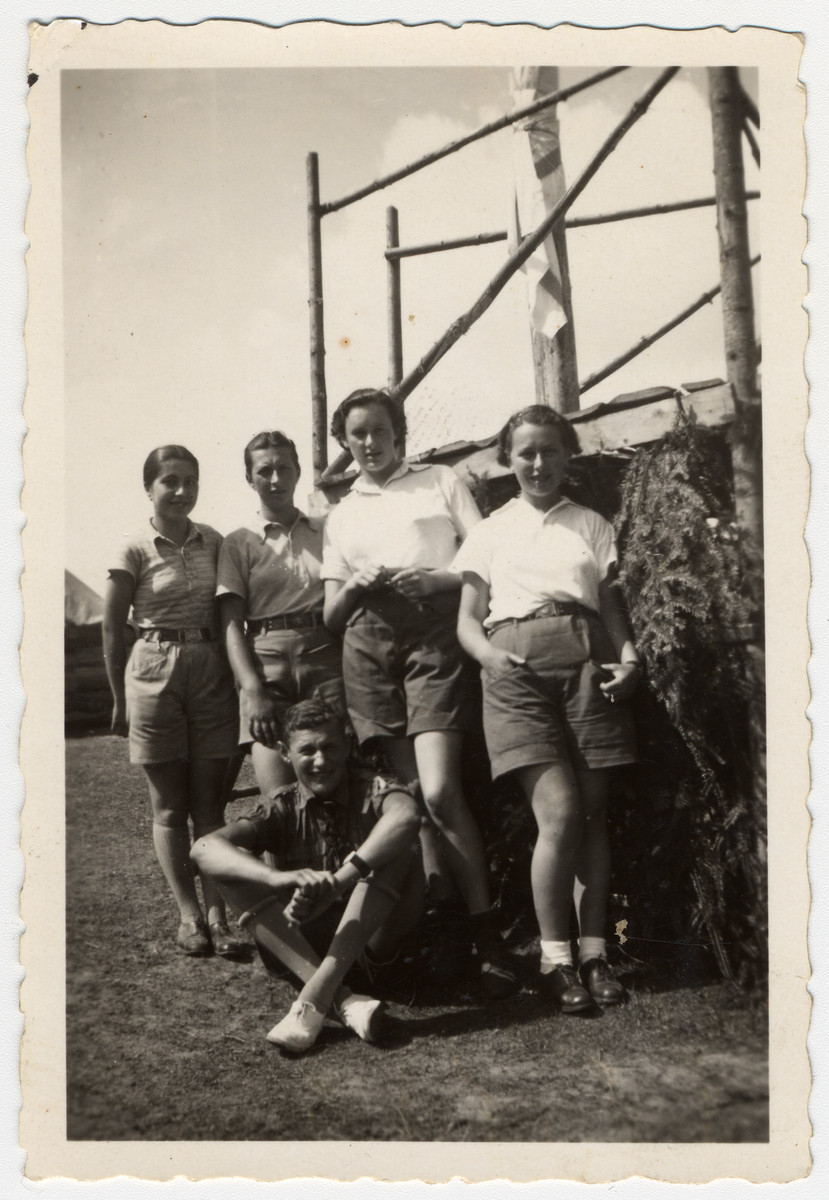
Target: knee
x,y
443,804
561,826
170,818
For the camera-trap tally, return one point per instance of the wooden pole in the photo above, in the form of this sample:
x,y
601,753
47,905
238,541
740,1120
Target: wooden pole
x,y
623,214
530,243
395,315
452,147
554,357
319,399
728,105
645,342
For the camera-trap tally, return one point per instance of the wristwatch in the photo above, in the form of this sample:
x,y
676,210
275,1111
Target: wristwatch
x,y
360,863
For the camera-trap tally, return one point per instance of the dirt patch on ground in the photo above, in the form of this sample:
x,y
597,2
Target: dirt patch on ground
x,y
164,1047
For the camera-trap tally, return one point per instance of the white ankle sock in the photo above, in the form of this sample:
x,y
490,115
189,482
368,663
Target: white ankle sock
x,y
591,947
556,954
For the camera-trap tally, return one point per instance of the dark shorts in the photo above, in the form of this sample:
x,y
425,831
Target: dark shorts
x,y
551,709
404,670
294,665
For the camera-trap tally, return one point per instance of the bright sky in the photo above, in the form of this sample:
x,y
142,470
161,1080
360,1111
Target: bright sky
x,y
185,253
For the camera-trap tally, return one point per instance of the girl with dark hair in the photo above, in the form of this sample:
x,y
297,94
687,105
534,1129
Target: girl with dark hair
x,y
174,695
270,604
540,614
389,591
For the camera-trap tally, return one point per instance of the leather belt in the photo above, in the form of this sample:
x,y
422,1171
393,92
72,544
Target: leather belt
x,y
550,608
306,620
177,635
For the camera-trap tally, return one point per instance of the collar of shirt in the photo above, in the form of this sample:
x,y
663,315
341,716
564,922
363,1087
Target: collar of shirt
x,y
193,532
261,524
541,517
340,796
367,486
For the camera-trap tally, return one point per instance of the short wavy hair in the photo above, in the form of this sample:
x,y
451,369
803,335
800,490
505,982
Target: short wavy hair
x,y
309,714
273,439
541,415
156,459
360,399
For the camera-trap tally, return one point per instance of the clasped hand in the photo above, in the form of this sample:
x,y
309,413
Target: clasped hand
x,y
315,891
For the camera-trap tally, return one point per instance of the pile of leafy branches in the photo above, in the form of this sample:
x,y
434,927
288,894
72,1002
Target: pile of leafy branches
x,y
697,829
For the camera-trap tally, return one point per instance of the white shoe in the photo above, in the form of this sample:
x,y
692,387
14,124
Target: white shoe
x,y
298,1031
362,1014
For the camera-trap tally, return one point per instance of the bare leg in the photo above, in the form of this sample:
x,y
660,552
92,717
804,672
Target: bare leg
x,y
272,772
368,907
207,801
271,928
592,880
553,794
401,755
438,757
170,798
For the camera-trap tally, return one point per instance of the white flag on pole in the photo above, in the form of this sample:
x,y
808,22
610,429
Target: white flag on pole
x,y
539,185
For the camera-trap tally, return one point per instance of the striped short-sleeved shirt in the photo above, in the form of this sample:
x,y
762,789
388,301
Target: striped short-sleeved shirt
x,y
302,831
175,586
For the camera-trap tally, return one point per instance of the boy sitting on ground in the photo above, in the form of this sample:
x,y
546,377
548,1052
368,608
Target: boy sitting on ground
x,y
338,829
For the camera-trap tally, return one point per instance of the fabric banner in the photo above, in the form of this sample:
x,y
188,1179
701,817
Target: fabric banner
x,y
538,185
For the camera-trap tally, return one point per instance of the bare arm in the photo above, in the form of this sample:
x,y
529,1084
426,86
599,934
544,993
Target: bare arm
x,y
341,598
397,829
264,721
226,855
626,670
474,607
117,600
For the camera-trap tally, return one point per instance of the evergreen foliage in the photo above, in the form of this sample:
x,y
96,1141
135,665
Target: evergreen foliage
x,y
700,813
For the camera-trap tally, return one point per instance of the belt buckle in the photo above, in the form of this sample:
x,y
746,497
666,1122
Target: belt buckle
x,y
192,635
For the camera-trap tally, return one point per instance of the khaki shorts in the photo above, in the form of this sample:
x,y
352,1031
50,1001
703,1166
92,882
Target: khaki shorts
x,y
404,670
550,709
294,665
181,702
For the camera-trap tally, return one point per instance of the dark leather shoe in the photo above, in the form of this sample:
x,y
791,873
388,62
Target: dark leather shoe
x,y
601,984
497,976
563,985
224,943
192,938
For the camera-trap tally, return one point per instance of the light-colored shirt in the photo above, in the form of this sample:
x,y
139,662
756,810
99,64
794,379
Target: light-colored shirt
x,y
275,570
175,586
528,557
417,518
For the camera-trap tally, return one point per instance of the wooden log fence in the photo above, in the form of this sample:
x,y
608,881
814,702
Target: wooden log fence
x,y
531,243
484,131
645,342
624,214
516,260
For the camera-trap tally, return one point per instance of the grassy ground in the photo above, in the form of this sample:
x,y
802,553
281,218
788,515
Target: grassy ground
x,y
165,1047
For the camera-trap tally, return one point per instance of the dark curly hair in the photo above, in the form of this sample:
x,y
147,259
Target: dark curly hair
x,y
269,440
537,414
309,714
360,399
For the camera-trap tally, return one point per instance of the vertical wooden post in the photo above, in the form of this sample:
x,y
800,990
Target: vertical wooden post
x,y
741,363
554,358
737,296
319,399
556,369
395,315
